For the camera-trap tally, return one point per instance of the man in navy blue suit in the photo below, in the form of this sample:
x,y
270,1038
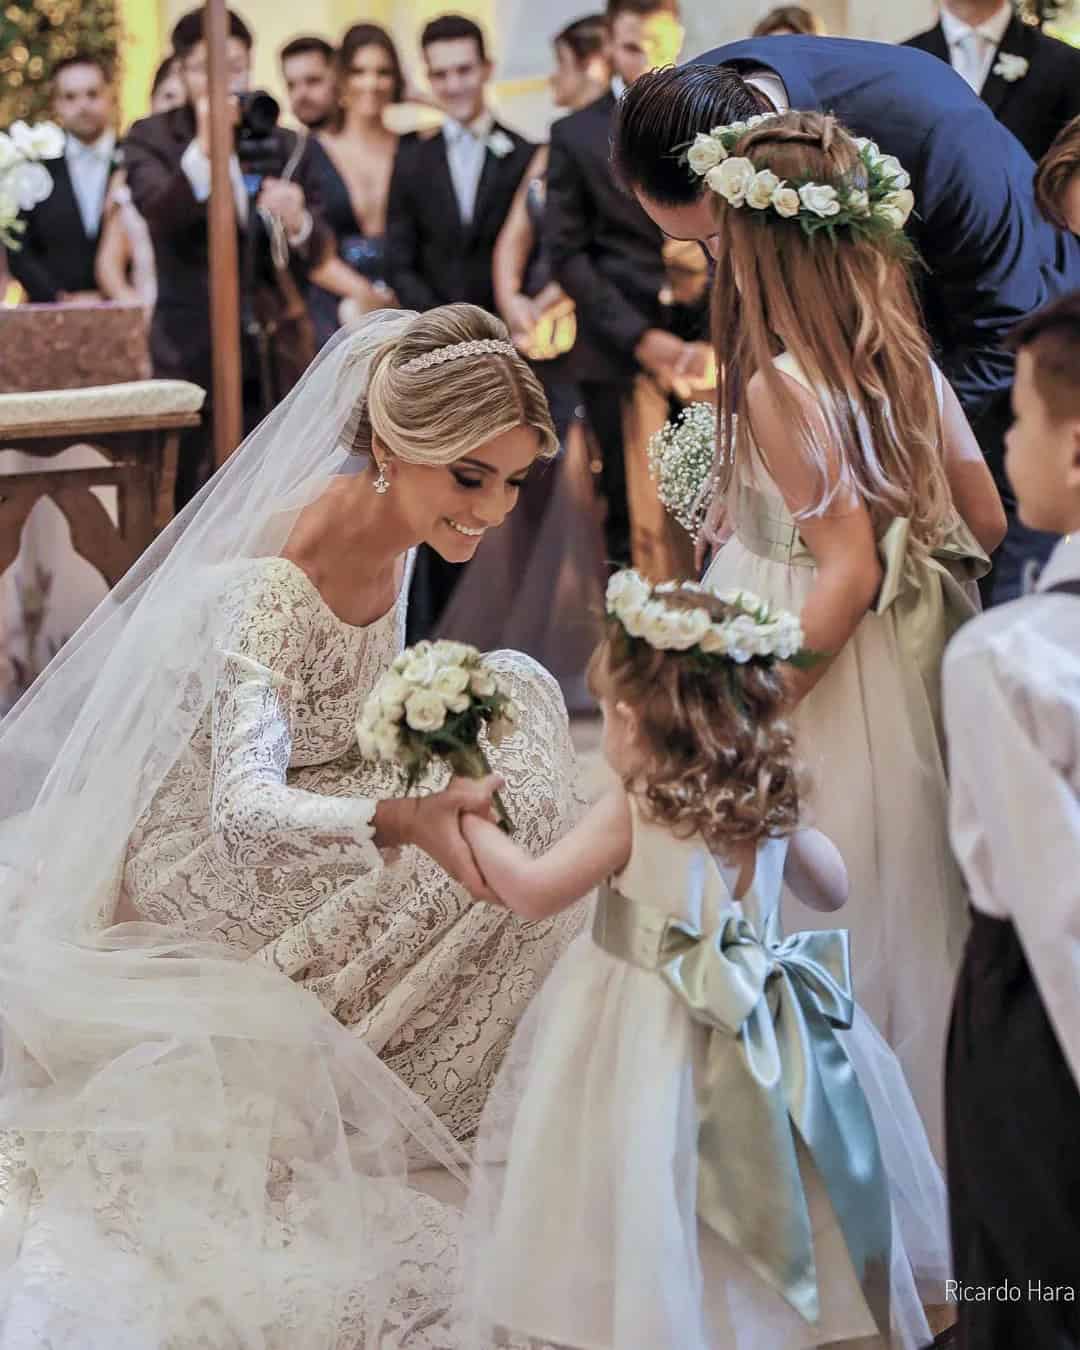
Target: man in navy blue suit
x,y
991,258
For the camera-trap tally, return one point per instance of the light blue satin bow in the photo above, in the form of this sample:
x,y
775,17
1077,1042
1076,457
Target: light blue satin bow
x,y
775,1069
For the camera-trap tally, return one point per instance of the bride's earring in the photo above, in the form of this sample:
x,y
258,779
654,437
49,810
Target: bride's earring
x,y
382,483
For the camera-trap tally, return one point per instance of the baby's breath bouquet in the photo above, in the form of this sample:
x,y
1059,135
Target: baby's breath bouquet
x,y
681,457
24,180
431,704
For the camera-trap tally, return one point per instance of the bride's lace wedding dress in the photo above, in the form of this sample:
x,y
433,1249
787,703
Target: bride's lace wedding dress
x,y
260,838
223,1175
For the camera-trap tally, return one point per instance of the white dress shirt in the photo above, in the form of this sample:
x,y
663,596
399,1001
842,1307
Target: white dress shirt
x,y
1012,718
89,167
770,84
466,149
972,49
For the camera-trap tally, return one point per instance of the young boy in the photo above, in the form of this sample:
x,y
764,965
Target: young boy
x,y
1012,707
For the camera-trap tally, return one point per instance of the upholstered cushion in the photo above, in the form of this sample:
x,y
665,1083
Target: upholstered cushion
x,y
141,400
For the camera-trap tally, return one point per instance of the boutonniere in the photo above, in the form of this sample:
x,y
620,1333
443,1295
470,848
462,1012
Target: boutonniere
x,y
500,144
1011,68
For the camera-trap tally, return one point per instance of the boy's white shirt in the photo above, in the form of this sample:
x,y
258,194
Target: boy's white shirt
x,y
1012,716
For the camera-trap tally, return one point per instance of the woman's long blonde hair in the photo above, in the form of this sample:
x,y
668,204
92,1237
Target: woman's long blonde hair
x,y
844,308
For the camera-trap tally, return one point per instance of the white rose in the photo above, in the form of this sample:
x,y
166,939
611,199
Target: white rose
x,y
868,149
9,153
365,739
714,641
786,202
819,198
31,183
890,167
760,193
482,683
658,627
457,703
858,202
897,207
744,600
758,118
452,653
732,129
450,681
632,618
705,153
425,710
627,587
731,180
45,141
419,671
392,691
690,627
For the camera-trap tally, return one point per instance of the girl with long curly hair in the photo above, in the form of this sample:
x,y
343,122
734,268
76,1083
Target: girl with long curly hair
x,y
706,1144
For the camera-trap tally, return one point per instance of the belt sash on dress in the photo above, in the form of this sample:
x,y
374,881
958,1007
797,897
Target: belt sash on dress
x,y
928,593
774,1068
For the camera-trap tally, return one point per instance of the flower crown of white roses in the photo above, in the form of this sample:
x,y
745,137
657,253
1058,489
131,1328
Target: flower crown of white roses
x,y
755,633
880,209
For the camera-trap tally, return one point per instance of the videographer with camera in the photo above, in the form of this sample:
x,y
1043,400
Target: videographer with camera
x,y
167,158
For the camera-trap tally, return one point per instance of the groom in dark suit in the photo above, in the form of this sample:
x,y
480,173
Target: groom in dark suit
x,y
990,257
449,196
55,260
1030,81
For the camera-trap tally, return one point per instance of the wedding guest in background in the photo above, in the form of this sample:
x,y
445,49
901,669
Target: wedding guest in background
x,y
789,21
167,158
1057,179
449,196
56,257
125,258
608,256
307,67
1029,80
535,585
1012,715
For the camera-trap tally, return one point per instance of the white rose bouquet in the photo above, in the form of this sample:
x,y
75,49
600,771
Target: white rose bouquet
x,y
24,180
681,458
431,704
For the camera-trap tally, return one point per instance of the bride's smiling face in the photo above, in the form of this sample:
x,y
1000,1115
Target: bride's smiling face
x,y
451,507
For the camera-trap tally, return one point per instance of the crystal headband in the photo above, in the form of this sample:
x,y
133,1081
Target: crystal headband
x,y
457,350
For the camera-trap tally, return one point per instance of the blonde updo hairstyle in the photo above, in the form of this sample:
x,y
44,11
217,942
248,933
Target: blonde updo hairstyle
x,y
437,415
719,755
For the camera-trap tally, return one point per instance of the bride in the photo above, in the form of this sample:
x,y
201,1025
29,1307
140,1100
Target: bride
x,y
185,822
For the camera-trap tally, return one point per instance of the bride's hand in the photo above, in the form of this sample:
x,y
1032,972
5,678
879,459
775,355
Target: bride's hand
x,y
715,530
434,825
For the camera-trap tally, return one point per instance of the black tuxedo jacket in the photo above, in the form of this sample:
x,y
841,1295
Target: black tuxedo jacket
x,y
180,331
1036,106
55,254
432,257
991,257
605,251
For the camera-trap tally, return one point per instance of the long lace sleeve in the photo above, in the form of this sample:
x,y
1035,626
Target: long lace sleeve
x,y
256,818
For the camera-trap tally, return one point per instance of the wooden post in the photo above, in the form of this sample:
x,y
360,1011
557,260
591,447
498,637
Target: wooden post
x,y
224,253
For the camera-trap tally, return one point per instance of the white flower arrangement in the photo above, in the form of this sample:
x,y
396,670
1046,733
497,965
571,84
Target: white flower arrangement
x,y
500,144
756,633
681,458
882,206
24,180
431,704
1011,67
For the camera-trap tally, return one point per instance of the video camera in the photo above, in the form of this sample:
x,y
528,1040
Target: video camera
x,y
260,147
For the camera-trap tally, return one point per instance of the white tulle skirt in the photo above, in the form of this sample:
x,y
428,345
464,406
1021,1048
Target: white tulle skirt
x,y
197,1156
581,1227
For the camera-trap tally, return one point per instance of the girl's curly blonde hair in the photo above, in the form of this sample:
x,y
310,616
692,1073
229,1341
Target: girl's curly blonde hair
x,y
719,756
